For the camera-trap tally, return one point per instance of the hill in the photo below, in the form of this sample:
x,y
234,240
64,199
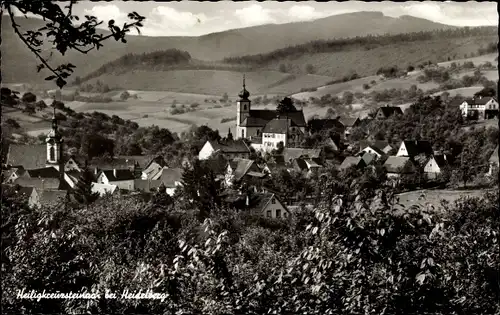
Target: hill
x,y
19,65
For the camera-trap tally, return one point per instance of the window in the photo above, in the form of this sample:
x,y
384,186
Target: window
x,y
286,214
273,201
258,131
278,213
243,133
52,154
268,213
244,107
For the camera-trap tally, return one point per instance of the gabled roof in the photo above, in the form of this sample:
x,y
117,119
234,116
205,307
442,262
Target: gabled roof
x,y
170,176
440,160
300,164
278,125
259,201
244,165
399,164
120,175
494,156
27,156
352,161
39,183
368,158
390,110
236,146
479,101
260,117
152,170
46,172
349,121
142,160
378,144
25,191
291,154
373,148
314,162
416,147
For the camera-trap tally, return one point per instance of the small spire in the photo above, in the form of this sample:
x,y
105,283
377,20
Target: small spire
x,y
243,81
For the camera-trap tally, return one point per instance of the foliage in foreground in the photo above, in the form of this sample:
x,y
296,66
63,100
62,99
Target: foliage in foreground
x,y
353,254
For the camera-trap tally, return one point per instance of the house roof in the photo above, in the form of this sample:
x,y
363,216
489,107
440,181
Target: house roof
x,y
120,175
396,164
416,147
377,144
368,158
236,146
351,161
242,168
291,154
373,148
300,164
390,110
325,124
170,176
349,121
256,174
260,117
51,196
440,160
278,125
39,183
27,156
103,189
494,156
46,172
142,160
314,162
152,170
8,173
479,101
25,191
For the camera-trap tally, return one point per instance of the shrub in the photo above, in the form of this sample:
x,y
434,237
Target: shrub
x,y
366,86
224,120
28,97
125,95
11,122
194,105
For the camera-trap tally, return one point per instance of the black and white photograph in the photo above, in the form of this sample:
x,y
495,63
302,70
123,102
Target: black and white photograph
x,y
250,157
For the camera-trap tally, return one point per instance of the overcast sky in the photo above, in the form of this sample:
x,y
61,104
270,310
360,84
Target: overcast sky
x,y
192,18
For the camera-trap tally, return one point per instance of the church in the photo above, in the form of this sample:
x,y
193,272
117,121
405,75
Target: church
x,y
266,128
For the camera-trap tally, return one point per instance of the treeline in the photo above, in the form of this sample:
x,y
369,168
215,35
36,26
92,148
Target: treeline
x,y
366,42
158,59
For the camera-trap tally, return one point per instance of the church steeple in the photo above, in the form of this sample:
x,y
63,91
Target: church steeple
x,y
54,142
244,94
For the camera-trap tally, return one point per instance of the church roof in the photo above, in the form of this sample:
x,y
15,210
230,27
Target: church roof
x,y
27,156
260,117
278,125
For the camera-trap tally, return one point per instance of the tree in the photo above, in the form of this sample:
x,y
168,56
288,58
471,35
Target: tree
x,y
29,109
225,97
348,97
229,135
83,189
285,106
40,105
125,95
28,97
410,68
282,68
485,92
9,97
62,33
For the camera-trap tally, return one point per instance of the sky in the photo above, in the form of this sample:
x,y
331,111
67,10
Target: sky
x,y
193,18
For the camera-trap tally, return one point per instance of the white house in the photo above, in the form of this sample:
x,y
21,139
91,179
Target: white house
x,y
434,165
413,148
123,179
230,150
280,130
270,206
103,189
481,107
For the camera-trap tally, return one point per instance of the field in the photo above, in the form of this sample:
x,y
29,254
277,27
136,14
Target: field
x,y
491,75
434,197
465,91
210,82
476,60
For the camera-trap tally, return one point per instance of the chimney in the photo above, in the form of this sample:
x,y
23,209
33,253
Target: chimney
x,y
114,172
247,201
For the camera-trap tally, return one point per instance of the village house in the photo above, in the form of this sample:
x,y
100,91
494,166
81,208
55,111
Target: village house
x,y
251,122
266,204
317,125
435,165
38,197
291,154
388,111
413,148
281,130
122,178
307,166
480,107
380,146
237,169
229,149
399,165
349,123
172,180
351,161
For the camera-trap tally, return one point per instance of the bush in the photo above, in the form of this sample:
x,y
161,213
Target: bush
x,y
224,120
28,97
125,95
309,69
11,122
366,86
410,68
194,105
312,89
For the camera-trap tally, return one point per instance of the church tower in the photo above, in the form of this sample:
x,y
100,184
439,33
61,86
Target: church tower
x,y
54,145
242,111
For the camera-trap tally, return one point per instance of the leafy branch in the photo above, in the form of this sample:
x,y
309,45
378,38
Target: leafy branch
x,y
63,34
